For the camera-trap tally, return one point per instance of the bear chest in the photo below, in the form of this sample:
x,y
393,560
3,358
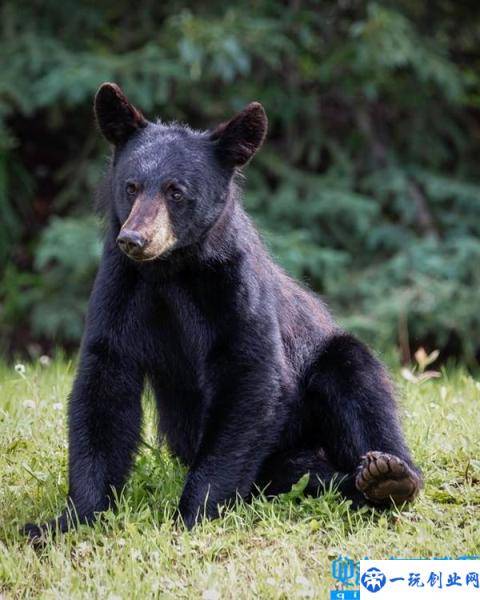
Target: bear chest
x,y
179,334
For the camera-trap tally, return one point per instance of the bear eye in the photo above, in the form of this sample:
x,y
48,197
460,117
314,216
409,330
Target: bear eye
x,y
131,188
175,194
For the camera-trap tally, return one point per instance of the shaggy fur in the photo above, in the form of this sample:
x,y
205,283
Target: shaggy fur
x,y
255,383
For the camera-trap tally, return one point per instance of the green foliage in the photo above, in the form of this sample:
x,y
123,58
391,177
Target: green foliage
x,y
368,185
69,251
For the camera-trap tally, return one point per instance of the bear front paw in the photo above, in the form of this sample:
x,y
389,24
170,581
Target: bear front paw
x,y
36,534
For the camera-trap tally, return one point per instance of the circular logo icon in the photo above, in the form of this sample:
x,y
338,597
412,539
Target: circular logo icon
x,y
373,580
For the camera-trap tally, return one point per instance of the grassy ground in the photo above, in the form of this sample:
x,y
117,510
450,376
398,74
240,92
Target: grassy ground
x,y
268,550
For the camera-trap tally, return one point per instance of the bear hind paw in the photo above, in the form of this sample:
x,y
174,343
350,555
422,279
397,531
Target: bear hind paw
x,y
385,479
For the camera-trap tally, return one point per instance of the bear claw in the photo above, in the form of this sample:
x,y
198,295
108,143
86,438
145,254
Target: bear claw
x,y
384,478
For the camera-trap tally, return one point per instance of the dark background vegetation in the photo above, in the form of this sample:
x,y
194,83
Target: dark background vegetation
x,y
368,187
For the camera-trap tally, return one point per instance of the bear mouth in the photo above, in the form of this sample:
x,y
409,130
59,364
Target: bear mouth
x,y
143,258
148,256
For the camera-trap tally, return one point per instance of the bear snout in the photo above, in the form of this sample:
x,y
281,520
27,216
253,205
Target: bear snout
x,y
131,242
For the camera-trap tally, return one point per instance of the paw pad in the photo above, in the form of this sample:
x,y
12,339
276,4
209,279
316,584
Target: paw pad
x,y
383,478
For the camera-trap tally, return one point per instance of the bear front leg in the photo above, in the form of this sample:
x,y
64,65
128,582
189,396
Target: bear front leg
x,y
104,429
242,428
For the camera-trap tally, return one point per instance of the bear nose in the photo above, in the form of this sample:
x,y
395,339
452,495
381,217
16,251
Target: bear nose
x,y
131,242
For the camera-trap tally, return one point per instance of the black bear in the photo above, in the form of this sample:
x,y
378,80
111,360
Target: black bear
x,y
255,383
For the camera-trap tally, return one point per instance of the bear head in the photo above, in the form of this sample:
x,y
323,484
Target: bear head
x,y
170,183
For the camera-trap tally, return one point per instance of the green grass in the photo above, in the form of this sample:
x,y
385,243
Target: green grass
x,y
268,550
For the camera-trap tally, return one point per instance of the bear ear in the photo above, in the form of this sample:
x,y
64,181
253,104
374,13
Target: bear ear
x,y
116,117
237,140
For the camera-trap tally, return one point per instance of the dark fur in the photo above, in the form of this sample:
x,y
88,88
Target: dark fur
x,y
255,383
